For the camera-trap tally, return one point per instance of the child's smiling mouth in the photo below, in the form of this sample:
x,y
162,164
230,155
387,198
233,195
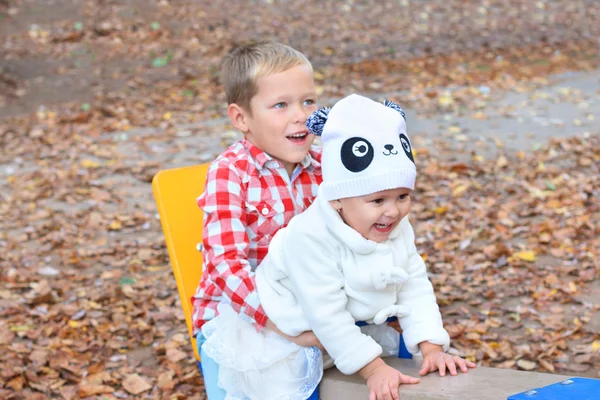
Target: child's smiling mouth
x,y
383,228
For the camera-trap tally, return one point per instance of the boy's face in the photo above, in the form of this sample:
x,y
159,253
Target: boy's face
x,y
376,215
277,121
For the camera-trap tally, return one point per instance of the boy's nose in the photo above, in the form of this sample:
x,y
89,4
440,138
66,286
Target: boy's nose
x,y
301,114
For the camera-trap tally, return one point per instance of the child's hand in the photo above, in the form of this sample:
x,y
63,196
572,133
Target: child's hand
x,y
434,359
383,381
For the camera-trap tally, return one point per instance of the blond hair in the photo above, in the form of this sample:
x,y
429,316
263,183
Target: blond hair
x,y
241,68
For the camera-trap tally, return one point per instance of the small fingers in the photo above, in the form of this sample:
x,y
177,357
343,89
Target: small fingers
x,y
386,393
441,365
462,364
424,368
394,390
451,366
408,380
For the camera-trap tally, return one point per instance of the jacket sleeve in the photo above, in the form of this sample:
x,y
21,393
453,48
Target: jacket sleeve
x,y
318,284
424,323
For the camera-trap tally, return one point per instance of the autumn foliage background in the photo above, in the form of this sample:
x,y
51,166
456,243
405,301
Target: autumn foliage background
x,y
97,96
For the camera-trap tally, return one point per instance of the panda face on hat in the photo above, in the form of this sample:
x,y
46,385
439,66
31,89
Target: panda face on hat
x,y
365,147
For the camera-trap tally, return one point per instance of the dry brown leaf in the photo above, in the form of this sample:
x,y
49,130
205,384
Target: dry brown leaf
x,y
90,389
176,355
135,384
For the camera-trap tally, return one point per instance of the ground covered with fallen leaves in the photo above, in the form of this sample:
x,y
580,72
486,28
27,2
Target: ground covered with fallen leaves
x,y
97,96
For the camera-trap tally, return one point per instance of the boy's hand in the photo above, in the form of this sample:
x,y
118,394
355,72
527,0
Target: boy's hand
x,y
396,325
383,381
434,359
305,339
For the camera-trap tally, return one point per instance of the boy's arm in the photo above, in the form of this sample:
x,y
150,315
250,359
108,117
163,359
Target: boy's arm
x,y
424,323
318,285
226,243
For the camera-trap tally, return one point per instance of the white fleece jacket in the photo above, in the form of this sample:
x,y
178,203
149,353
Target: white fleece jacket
x,y
322,275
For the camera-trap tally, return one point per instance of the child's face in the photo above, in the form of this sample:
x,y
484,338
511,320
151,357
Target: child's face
x,y
277,124
376,215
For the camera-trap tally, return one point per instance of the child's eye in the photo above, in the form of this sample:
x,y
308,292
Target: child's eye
x,y
279,105
377,201
309,102
403,196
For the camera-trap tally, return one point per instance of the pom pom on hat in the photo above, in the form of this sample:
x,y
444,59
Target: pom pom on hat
x,y
391,104
316,121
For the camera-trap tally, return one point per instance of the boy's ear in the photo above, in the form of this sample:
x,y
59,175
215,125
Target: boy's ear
x,y
238,117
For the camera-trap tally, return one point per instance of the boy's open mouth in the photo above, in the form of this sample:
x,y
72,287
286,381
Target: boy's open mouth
x,y
383,228
298,137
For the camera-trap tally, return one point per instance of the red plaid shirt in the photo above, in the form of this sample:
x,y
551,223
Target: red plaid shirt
x,y
247,198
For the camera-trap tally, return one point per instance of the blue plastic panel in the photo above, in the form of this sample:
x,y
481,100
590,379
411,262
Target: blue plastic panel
x,y
571,389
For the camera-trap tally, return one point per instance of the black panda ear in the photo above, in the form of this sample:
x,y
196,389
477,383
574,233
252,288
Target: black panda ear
x,y
316,121
391,104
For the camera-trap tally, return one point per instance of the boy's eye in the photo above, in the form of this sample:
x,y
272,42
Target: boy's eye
x,y
279,105
309,102
403,197
377,201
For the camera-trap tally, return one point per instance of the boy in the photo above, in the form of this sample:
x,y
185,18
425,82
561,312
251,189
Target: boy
x,y
257,185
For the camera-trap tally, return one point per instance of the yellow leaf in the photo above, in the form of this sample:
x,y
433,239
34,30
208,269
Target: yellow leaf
x,y
525,255
572,287
116,225
440,210
445,99
596,345
89,164
459,190
501,162
157,268
74,324
167,116
455,129
20,328
94,305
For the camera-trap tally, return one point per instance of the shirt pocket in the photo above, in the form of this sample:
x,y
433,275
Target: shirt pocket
x,y
264,219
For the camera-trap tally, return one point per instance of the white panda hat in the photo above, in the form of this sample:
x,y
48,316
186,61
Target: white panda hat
x,y
365,147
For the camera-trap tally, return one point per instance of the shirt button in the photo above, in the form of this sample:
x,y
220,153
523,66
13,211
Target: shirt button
x,y
265,211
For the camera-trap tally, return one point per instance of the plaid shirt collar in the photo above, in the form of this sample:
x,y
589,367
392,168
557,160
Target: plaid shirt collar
x,y
261,158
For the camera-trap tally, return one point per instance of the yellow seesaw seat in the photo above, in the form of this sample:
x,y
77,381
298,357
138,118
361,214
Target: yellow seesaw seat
x,y
175,191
